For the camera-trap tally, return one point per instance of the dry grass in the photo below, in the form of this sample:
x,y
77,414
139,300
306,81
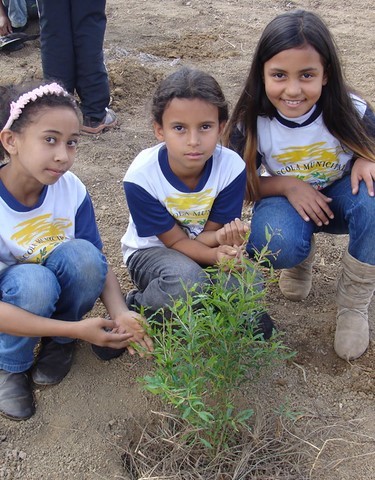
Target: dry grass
x,y
275,448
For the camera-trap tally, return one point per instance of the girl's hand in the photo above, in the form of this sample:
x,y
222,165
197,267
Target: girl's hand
x,y
226,254
5,25
96,330
232,233
310,203
363,170
133,323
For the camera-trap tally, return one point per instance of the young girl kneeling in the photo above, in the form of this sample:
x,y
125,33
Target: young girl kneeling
x,y
52,269
314,139
185,195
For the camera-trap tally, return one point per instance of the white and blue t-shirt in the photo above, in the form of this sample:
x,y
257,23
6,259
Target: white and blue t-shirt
x,y
158,199
303,147
63,212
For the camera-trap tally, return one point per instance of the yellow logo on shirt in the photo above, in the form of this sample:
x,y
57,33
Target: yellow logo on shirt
x,y
39,237
191,210
312,163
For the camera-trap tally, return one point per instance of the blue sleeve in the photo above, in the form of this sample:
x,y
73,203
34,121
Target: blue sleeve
x,y
369,122
228,204
85,223
149,215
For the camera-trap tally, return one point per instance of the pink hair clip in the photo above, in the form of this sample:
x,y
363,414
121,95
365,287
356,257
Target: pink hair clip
x,y
17,106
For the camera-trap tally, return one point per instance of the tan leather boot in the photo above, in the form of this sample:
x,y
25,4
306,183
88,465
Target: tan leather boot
x,y
354,292
295,283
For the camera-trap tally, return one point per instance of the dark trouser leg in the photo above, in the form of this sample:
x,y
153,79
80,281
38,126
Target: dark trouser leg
x,y
72,35
56,38
88,22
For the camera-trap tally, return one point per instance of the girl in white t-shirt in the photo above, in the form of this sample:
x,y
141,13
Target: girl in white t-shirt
x,y
52,269
308,143
185,195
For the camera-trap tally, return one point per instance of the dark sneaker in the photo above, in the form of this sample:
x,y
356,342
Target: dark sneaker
x,y
130,300
13,46
53,362
263,325
16,395
15,41
93,126
19,29
106,353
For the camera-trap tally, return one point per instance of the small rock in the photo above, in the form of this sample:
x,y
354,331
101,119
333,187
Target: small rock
x,y
22,455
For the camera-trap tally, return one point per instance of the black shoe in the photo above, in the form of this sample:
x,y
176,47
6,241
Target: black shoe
x,y
106,353
19,29
130,299
15,41
263,325
16,395
53,362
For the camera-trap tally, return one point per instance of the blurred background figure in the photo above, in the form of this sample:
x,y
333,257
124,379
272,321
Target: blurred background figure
x,y
14,15
72,36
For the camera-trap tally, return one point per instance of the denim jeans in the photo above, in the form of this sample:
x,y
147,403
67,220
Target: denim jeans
x,y
160,275
64,287
291,240
19,11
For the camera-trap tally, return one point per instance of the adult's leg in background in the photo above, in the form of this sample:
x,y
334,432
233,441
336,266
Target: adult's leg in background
x,y
88,21
57,42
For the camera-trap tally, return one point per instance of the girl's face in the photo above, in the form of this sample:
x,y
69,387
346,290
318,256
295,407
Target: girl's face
x,y
46,148
294,79
191,130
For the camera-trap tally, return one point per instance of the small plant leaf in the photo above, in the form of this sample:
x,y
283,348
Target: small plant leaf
x,y
206,348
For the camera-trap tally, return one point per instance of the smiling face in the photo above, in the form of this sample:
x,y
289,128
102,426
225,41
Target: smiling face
x,y
294,79
191,130
46,148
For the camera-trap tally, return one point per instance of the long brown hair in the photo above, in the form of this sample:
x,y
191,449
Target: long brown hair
x,y
295,29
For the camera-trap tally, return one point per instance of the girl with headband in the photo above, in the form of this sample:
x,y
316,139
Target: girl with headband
x,y
52,269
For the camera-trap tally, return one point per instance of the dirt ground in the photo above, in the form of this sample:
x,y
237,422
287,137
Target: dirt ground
x,y
82,425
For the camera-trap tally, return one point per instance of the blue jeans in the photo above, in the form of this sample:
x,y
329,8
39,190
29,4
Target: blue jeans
x,y
71,37
19,11
64,287
354,215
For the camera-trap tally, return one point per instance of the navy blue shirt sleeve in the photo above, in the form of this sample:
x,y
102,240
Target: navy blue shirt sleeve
x,y
149,215
85,223
228,204
369,122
